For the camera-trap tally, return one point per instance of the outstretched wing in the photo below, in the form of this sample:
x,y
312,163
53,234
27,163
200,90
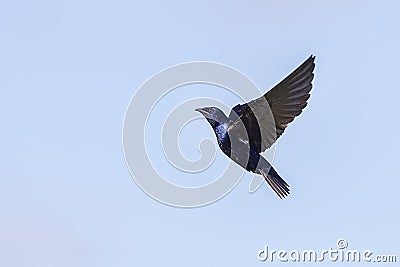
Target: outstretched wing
x,y
266,118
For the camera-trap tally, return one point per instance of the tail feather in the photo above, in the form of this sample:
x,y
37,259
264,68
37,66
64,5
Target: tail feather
x,y
276,182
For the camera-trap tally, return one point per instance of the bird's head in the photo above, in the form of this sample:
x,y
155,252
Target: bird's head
x,y
214,115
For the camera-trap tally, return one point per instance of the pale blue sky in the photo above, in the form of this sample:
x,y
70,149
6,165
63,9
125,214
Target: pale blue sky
x,y
69,68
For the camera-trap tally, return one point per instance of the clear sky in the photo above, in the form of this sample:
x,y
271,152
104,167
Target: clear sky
x,y
68,70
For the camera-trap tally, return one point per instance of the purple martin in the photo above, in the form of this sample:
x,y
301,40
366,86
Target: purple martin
x,y
253,127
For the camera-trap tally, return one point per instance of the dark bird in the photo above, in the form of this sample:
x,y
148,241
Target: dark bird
x,y
253,127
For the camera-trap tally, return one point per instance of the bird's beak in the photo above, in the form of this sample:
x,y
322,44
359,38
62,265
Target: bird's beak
x,y
202,111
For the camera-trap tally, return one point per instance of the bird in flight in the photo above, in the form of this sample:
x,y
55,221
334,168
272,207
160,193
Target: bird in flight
x,y
253,127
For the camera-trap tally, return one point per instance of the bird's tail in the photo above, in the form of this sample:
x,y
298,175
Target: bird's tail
x,y
276,182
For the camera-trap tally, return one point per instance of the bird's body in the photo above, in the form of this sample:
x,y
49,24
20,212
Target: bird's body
x,y
253,127
221,132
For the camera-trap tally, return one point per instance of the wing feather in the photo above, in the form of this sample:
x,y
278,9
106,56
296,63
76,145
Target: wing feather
x,y
266,118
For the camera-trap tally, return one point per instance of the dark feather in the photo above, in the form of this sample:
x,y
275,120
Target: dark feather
x,y
266,118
